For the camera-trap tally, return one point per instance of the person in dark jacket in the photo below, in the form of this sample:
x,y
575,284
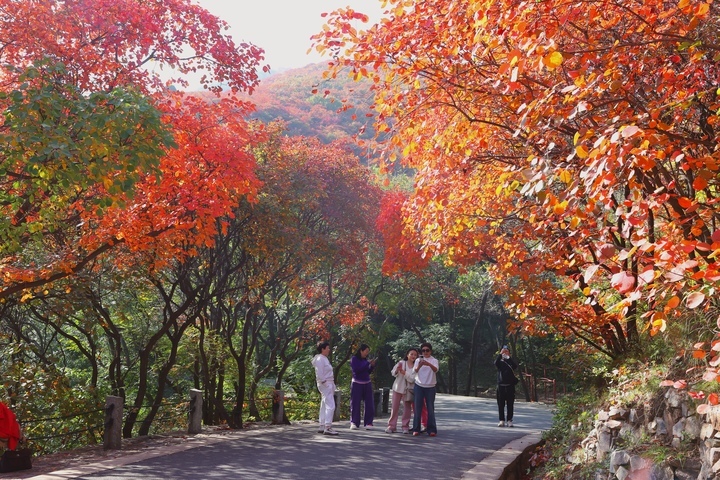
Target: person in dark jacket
x,y
506,386
361,388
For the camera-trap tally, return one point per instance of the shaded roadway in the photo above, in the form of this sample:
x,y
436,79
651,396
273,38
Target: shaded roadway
x,y
467,434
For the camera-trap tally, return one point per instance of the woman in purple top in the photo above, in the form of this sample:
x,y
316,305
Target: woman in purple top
x,y
361,388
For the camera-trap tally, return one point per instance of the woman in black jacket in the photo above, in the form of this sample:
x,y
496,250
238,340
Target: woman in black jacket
x,y
506,386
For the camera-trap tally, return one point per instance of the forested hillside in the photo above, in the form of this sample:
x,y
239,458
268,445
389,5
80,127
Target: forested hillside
x,y
314,106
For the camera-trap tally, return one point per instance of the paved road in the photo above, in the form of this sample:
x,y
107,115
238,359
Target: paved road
x,y
467,433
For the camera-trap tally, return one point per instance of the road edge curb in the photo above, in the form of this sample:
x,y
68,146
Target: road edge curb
x,y
493,467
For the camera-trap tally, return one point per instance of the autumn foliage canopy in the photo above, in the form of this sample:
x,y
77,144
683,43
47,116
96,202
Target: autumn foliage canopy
x,y
97,151
573,146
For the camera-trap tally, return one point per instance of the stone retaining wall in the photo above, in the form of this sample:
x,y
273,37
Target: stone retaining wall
x,y
674,423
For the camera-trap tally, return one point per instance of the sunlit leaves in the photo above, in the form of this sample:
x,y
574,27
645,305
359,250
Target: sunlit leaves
x,y
568,155
695,299
112,42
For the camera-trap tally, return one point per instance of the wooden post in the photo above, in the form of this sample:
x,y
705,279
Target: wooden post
x,y
195,412
112,436
338,401
278,407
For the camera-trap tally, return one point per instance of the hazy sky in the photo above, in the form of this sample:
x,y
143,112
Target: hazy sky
x,y
283,27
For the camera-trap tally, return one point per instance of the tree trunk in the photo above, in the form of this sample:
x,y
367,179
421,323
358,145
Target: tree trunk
x,y
474,342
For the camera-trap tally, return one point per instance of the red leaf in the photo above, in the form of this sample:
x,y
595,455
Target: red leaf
x,y
697,395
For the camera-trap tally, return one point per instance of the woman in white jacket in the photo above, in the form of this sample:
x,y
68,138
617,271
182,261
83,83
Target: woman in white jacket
x,y
326,386
402,391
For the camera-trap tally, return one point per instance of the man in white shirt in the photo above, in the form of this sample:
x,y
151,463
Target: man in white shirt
x,y
425,369
326,385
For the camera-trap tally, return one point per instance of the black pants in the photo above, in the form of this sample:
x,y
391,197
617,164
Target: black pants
x,y
506,396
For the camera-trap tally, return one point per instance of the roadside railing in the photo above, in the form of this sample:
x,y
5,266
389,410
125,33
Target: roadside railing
x,y
105,423
54,433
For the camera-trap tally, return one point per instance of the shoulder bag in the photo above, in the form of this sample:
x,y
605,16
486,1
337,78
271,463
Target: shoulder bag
x,y
14,460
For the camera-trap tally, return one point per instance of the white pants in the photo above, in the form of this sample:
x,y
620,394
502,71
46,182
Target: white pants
x,y
327,404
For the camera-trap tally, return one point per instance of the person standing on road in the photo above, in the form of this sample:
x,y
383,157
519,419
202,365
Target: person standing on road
x,y
506,386
403,391
361,388
425,369
326,385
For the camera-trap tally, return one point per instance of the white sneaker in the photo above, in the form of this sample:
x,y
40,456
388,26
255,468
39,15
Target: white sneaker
x,y
501,423
353,426
322,430
330,431
389,430
369,427
509,424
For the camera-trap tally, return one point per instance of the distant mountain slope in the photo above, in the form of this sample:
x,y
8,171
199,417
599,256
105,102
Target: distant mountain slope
x,y
289,96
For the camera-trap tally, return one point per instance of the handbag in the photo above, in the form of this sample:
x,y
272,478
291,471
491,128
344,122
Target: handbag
x,y
409,395
14,460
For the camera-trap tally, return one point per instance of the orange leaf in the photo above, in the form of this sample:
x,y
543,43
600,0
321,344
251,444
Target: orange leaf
x,y
698,354
685,202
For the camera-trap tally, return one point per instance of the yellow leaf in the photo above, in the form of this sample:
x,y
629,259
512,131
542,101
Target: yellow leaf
x,y
581,151
658,325
565,176
553,60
